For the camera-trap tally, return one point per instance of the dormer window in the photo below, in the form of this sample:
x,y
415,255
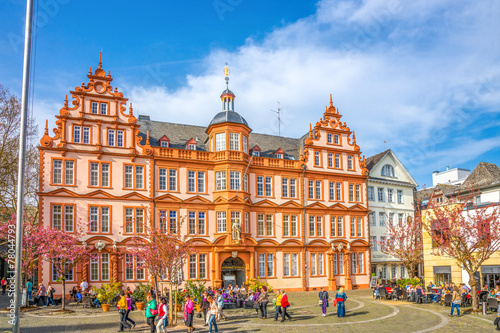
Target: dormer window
x,y
256,153
279,156
191,144
164,144
279,153
104,108
388,170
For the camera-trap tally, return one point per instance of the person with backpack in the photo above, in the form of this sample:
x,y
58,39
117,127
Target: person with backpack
x,y
212,315
205,306
129,308
122,310
456,301
263,300
340,299
50,294
284,305
151,312
162,316
220,305
323,300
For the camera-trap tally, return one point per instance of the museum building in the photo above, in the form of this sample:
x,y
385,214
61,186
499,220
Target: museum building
x,y
292,212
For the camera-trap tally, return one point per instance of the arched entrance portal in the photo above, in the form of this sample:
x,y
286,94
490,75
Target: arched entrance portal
x,y
233,272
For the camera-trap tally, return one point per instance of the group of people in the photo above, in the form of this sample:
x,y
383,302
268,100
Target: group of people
x,y
339,301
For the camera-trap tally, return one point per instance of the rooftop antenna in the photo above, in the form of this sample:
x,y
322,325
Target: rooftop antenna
x,y
385,144
279,116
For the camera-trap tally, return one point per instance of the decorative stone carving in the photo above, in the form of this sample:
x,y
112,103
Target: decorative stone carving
x,y
234,254
100,245
114,245
340,247
348,247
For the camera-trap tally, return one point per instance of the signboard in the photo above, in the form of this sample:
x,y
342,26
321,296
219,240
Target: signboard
x,y
373,282
229,280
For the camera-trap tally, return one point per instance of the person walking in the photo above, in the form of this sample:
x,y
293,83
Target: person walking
x,y
29,290
129,308
220,305
188,313
50,294
151,312
4,285
205,306
41,294
263,300
277,309
162,316
323,300
340,298
456,300
284,305
122,310
212,315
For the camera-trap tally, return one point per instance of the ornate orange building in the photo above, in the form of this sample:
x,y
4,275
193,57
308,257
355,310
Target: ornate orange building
x,y
290,211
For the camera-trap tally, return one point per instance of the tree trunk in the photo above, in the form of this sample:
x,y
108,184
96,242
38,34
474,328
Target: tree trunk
x,y
170,310
473,292
63,298
175,308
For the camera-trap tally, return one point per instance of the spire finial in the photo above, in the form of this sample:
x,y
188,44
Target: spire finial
x,y
226,73
131,109
100,60
66,101
46,132
331,101
90,70
147,137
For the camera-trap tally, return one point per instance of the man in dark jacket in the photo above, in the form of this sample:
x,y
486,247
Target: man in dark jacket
x,y
205,306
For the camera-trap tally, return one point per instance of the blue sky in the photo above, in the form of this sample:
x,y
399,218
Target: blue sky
x,y
422,75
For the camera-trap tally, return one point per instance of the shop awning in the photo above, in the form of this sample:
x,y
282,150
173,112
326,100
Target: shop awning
x,y
442,269
490,269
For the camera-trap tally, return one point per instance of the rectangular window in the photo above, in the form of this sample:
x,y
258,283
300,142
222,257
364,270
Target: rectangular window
x,y
221,221
320,263
340,227
330,160
359,227
339,191
315,226
234,141
293,225
111,137
318,190
86,135
286,225
133,176
76,134
164,144
311,189
140,275
120,138
270,265
353,226
332,191
373,243
350,165
380,194
104,266
390,195
286,264
94,219
104,219
400,196
220,141
192,223
192,266
335,264
337,161
129,267
202,266
372,219
341,263
260,224
220,180
381,219
201,182
191,181
337,139
139,176
162,179
358,193
129,220
202,223
354,263
63,216
284,187
99,174
172,180
295,264
191,146
262,265
104,108
139,220
317,158
319,226
371,193
401,217
234,180
260,186
313,263
269,187
172,222
63,172
129,169
245,144
247,222
351,192
329,138
245,182
94,269
391,219
292,187
289,225
134,220
93,107
269,225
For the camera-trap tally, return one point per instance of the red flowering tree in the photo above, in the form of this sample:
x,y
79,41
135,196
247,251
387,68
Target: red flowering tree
x,y
33,238
161,252
404,242
465,231
65,251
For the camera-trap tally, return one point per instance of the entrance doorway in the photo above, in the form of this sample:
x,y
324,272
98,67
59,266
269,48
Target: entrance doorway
x,y
233,272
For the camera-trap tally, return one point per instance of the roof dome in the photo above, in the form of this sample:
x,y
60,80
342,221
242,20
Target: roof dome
x,y
227,91
228,117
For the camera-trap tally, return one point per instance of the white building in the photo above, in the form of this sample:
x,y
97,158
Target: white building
x,y
390,198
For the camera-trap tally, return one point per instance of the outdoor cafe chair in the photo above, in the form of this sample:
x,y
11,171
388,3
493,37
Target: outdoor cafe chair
x,y
492,304
447,299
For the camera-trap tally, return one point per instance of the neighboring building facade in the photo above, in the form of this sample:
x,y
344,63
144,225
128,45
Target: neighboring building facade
x,y
390,200
290,211
485,179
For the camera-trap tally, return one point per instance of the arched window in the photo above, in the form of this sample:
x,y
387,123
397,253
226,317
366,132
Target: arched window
x,y
388,170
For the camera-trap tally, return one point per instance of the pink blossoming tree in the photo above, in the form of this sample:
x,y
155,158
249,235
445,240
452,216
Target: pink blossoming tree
x,y
465,231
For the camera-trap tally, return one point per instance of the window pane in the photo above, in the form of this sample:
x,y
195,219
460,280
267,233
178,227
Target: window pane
x,y
68,172
192,223
269,225
57,217
191,181
105,174
139,221
104,219
201,223
104,266
94,219
68,218
172,180
129,220
128,176
262,265
139,177
172,221
270,264
201,182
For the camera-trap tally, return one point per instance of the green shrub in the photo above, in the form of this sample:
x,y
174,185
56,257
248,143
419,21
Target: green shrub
x,y
141,292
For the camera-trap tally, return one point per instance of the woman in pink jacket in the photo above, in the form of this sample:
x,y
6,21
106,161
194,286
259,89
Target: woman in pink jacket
x,y
188,313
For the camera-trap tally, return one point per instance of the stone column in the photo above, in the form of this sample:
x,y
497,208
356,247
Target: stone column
x,y
252,265
331,276
114,266
347,270
217,280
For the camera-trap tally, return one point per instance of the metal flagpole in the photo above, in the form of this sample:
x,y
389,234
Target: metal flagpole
x,y
20,173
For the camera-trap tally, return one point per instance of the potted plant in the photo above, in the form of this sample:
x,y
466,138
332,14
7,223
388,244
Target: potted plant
x,y
140,293
195,289
180,297
107,293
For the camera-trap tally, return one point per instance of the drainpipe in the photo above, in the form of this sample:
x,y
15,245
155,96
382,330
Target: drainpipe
x,y
303,197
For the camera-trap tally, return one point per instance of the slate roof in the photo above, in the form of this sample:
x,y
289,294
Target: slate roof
x,y
446,189
228,117
373,160
179,135
485,174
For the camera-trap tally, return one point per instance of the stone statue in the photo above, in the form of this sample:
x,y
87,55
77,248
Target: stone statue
x,y
348,246
339,247
236,231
